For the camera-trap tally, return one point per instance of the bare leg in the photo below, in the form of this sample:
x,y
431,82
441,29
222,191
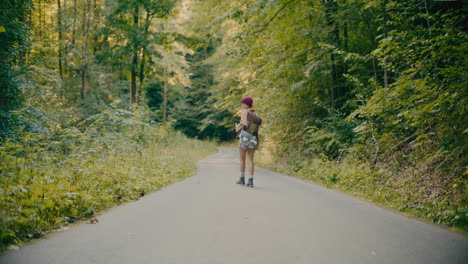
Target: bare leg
x,y
242,159
250,155
242,153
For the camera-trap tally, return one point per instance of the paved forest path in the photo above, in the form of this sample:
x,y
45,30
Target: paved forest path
x,y
208,219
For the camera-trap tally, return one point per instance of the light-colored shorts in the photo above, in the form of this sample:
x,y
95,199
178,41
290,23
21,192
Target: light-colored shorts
x,y
247,140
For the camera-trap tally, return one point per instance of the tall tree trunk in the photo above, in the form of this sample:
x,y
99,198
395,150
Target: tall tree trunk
x,y
374,68
344,65
64,48
30,14
95,20
60,29
384,27
133,84
105,39
331,7
345,37
143,53
141,72
85,59
164,117
22,52
74,24
40,19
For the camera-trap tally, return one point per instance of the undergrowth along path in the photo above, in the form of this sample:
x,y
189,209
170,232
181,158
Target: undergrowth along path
x,y
209,219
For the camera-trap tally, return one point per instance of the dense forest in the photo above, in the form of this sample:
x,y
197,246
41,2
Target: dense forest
x,y
365,96
91,92
104,100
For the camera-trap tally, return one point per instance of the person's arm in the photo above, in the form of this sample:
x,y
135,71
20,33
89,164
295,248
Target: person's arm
x,y
243,121
238,127
244,117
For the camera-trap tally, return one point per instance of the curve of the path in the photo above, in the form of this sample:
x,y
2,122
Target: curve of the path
x,y
209,219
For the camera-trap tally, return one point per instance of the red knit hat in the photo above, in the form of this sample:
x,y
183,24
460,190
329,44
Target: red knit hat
x,y
248,101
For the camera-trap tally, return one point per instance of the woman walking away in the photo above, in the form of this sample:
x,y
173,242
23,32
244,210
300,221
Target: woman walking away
x,y
248,138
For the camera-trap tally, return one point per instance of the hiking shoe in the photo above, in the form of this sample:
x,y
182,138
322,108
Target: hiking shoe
x,y
250,183
241,181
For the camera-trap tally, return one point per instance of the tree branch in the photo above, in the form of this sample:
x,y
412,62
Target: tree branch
x,y
410,138
273,17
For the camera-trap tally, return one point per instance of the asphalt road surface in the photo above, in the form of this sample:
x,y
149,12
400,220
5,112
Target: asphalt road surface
x,y
209,219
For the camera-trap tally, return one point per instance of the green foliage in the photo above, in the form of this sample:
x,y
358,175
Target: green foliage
x,y
197,113
405,192
154,94
74,148
419,121
365,96
69,174
14,33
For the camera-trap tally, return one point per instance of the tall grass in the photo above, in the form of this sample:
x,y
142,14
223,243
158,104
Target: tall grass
x,y
69,174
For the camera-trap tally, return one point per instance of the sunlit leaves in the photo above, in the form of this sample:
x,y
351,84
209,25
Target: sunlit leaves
x,y
376,85
71,174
